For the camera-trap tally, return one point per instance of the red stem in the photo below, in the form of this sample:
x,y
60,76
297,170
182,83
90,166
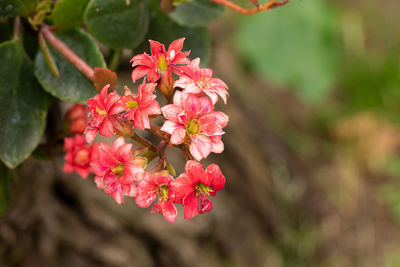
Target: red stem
x,y
64,50
266,6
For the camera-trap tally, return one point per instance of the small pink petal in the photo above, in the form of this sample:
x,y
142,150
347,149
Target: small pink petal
x,y
171,112
169,127
190,207
169,211
194,170
90,134
106,128
139,72
178,136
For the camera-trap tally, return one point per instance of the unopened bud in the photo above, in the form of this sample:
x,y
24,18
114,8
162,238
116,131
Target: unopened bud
x,y
166,83
140,161
122,126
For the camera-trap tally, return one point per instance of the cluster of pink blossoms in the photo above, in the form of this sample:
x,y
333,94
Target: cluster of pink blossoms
x,y
191,125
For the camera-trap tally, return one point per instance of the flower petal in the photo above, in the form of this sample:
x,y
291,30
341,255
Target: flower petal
x,y
190,207
169,210
194,170
215,178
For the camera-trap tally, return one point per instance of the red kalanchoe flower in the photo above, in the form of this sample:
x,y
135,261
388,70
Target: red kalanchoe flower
x,y
142,105
77,118
116,170
79,155
193,119
102,109
193,187
200,81
157,184
159,61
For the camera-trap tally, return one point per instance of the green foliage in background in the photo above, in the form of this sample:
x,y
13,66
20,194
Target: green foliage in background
x,y
295,46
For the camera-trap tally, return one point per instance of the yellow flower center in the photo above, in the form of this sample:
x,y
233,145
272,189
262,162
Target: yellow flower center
x,y
193,127
206,189
131,104
101,112
118,170
162,64
164,192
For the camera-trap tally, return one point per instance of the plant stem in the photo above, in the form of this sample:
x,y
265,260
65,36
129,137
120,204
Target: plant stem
x,y
17,34
114,59
266,6
64,50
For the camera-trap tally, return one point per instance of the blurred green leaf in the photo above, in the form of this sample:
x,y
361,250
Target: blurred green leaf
x,y
118,23
72,85
7,177
23,105
164,30
196,13
13,8
371,83
293,46
68,14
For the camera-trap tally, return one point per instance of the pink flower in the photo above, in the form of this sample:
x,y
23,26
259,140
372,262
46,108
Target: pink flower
x,y
193,119
102,109
153,185
159,61
200,81
77,119
116,170
193,187
142,105
78,157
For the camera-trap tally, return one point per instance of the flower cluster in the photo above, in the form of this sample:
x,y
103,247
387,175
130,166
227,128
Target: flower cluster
x,y
191,124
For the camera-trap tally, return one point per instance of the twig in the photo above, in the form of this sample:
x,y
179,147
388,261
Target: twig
x,y
81,65
144,142
114,59
17,29
186,152
266,6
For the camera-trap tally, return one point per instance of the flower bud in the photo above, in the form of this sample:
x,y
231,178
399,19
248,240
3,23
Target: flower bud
x,y
166,83
78,125
140,161
122,126
76,119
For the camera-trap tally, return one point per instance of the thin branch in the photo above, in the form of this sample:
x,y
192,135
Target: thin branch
x,y
59,45
162,162
266,6
47,56
144,142
114,59
17,34
186,152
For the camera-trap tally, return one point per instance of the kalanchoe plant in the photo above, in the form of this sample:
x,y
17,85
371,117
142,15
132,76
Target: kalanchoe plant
x,y
191,124
59,60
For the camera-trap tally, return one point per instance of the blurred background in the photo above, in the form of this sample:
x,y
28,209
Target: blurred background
x,y
311,157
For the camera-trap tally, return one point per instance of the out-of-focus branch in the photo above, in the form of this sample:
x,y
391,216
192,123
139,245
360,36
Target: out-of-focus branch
x,y
261,7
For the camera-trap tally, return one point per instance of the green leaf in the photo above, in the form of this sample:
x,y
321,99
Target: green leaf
x,y
68,14
72,85
13,8
7,177
196,13
293,46
164,30
118,23
23,105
